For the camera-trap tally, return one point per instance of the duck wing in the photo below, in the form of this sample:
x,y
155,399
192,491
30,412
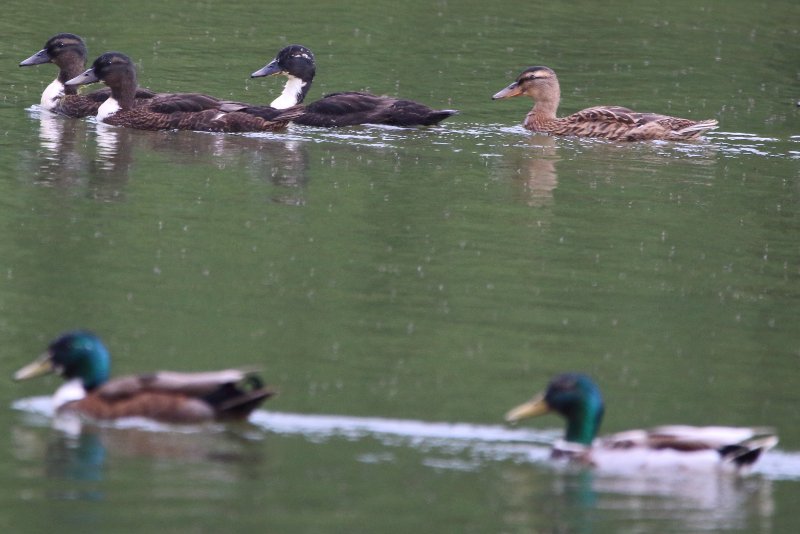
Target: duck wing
x,y
183,102
353,107
740,445
178,397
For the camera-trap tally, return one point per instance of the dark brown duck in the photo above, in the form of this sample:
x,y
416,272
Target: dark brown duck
x,y
345,108
68,52
186,111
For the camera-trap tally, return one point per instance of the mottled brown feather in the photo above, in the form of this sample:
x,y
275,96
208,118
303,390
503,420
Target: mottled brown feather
x,y
607,122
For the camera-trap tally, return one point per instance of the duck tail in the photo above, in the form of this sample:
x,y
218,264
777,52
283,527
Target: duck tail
x,y
695,130
238,400
438,115
744,454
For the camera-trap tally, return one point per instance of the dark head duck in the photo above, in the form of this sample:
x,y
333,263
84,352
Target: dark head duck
x,y
76,355
296,62
68,52
180,111
84,362
577,399
344,108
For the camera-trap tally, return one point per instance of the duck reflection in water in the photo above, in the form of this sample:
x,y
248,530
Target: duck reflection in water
x,y
531,166
80,455
578,500
281,161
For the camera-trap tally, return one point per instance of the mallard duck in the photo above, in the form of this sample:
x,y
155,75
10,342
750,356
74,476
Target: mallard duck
x,y
345,108
68,52
607,122
84,362
186,111
577,399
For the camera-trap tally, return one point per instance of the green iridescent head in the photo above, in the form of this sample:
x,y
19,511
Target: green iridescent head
x,y
576,398
78,354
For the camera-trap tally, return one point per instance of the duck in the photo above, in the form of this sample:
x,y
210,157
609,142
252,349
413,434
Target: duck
x,y
343,108
68,52
81,358
577,398
170,111
614,123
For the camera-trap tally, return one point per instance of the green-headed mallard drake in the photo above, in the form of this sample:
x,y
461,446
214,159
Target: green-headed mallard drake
x,y
577,398
68,52
84,362
186,111
341,109
607,122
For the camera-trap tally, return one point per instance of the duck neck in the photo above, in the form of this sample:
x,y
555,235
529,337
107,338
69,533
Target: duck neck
x,y
294,92
70,66
584,423
545,109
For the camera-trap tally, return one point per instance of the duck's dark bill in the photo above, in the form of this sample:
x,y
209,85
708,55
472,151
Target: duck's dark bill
x,y
87,77
38,58
268,70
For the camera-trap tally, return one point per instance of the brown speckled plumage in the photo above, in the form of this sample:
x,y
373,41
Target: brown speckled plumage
x,y
68,52
607,122
186,111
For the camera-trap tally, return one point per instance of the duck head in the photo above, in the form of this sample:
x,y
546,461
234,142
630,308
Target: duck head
x,y
68,52
63,49
113,68
297,63
575,397
539,83
78,354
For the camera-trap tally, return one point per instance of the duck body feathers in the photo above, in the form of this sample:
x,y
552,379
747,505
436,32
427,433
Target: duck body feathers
x,y
170,111
352,108
171,397
615,123
339,109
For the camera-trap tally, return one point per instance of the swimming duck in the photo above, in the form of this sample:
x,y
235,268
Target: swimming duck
x,y
345,108
180,111
577,399
68,52
607,122
84,362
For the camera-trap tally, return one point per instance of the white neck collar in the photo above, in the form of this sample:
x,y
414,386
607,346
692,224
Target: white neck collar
x,y
52,94
107,108
290,95
70,391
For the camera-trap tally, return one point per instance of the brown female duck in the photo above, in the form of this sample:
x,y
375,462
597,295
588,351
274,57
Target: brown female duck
x,y
296,62
187,111
82,359
68,52
607,122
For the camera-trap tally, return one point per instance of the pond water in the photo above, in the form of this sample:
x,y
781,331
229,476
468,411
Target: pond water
x,y
402,288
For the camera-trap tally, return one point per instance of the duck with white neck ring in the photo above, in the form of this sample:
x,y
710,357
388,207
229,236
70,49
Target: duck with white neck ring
x,y
68,52
175,111
350,108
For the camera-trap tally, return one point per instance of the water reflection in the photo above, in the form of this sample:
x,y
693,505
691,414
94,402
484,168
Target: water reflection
x,y
67,159
537,176
78,463
575,500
